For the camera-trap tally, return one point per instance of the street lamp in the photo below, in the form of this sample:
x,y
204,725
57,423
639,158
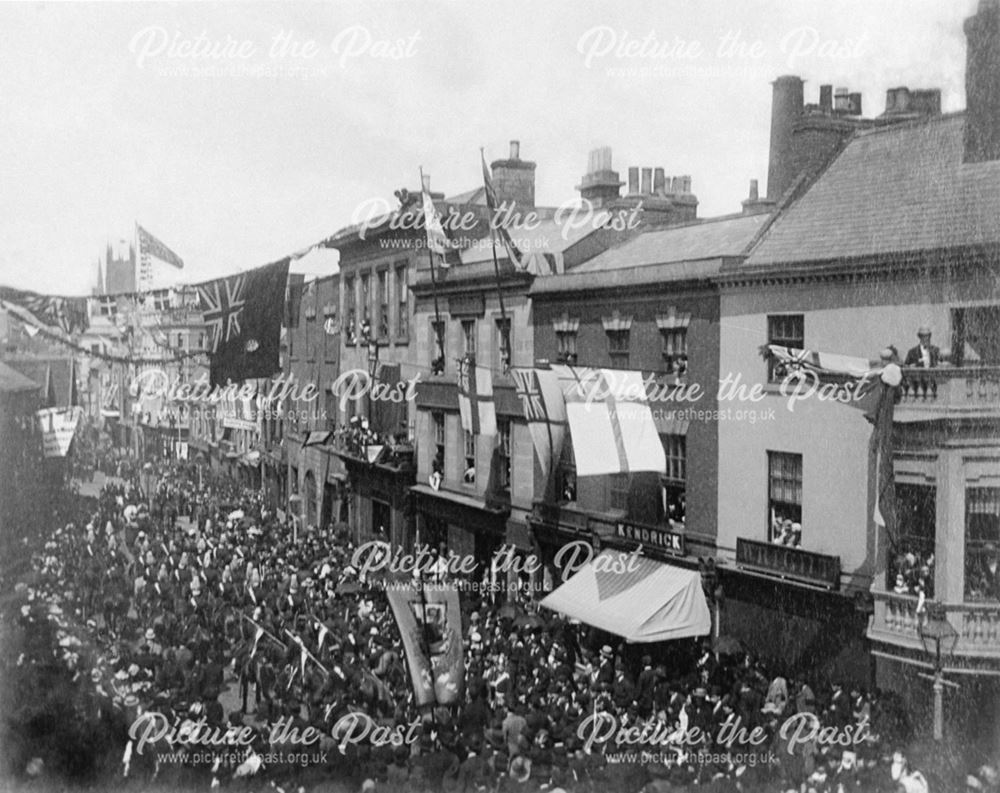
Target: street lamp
x,y
934,632
147,483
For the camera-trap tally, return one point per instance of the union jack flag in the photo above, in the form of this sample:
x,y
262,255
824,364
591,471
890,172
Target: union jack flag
x,y
222,304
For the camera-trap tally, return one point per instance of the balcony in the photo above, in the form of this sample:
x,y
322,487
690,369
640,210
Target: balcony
x,y
949,392
793,564
896,622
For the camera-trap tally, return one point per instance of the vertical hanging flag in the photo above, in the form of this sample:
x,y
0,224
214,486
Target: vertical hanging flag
x,y
244,314
437,240
475,398
610,421
388,416
545,412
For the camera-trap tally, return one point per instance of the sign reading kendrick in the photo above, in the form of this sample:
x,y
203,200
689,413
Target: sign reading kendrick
x,y
659,539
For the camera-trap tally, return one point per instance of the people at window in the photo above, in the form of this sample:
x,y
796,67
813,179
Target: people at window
x,y
983,578
911,572
786,532
924,355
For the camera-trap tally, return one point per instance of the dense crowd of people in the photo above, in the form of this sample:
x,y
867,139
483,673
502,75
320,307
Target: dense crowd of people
x,y
197,604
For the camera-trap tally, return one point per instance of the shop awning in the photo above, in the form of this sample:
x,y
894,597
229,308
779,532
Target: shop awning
x,y
638,598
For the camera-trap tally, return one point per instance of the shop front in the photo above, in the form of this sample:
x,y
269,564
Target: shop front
x,y
376,488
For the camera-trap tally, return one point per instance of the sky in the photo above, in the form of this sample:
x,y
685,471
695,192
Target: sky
x,y
240,133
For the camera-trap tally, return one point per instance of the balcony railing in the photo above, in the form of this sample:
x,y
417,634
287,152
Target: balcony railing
x,y
951,387
896,622
783,561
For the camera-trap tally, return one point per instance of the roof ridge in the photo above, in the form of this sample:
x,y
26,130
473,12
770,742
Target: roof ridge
x,y
910,123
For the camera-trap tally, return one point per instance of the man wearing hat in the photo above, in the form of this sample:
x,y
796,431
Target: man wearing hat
x,y
924,355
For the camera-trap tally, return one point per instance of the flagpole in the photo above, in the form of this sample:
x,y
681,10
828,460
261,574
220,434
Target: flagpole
x,y
505,351
438,330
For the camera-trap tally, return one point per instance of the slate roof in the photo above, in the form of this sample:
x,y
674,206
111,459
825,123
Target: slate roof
x,y
891,190
708,239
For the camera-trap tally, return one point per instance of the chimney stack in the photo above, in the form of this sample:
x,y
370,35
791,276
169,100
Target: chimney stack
x,y
826,99
514,179
647,181
600,185
982,83
753,190
633,180
786,106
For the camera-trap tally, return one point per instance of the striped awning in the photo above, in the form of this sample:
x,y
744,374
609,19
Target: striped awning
x,y
634,597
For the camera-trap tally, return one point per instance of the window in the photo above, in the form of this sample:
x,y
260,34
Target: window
x,y
982,541
566,473
617,327
505,343
618,343
469,337
437,422
503,448
785,330
383,304
351,310
674,482
437,347
618,492
975,336
402,303
675,353
469,444
180,340
366,295
785,498
566,346
913,563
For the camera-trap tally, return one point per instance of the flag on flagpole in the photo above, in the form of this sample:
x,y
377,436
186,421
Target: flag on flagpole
x,y
323,631
610,422
437,240
151,246
475,398
822,363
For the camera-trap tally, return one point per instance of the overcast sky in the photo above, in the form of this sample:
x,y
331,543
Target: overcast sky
x,y
237,156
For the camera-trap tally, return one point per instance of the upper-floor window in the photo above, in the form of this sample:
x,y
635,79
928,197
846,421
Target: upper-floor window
x,y
437,346
503,447
982,543
402,303
785,498
784,330
912,565
673,327
674,481
437,426
469,449
366,297
469,337
505,342
383,304
566,329
351,310
618,492
618,328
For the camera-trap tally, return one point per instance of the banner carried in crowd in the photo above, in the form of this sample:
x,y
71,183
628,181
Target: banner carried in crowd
x,y
244,314
58,427
430,622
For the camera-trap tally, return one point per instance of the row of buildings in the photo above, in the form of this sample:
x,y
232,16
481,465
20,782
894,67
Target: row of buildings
x,y
870,228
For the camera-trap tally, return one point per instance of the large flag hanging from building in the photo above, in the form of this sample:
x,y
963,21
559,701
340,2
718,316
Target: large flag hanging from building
x,y
389,414
871,389
610,422
545,413
67,314
430,623
243,313
475,398
150,246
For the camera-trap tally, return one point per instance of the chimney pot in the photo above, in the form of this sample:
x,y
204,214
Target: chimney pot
x,y
826,99
753,190
659,182
647,181
854,101
515,150
633,180
686,185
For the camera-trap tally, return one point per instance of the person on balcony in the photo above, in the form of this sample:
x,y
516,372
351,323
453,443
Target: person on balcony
x,y
924,355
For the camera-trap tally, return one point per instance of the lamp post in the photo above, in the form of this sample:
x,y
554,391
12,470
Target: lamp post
x,y
934,632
